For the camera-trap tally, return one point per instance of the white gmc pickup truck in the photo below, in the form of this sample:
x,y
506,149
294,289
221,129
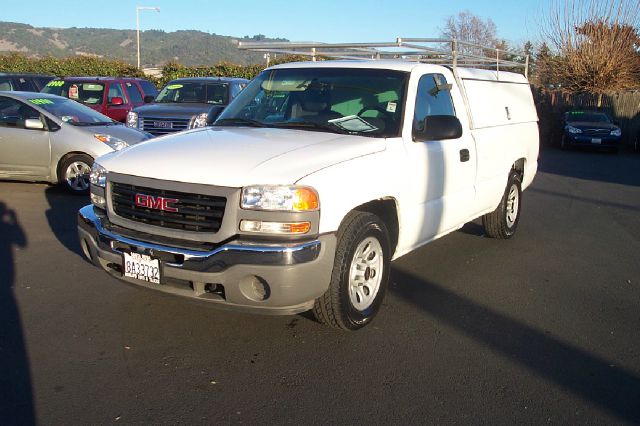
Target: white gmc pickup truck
x,y
311,182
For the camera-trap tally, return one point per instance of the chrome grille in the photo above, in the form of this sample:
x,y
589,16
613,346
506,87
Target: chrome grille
x,y
195,212
163,125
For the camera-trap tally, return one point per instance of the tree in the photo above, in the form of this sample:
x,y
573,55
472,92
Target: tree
x,y
469,28
595,45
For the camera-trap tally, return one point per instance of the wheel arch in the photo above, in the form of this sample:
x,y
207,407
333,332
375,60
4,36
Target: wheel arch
x,y
387,210
62,159
519,166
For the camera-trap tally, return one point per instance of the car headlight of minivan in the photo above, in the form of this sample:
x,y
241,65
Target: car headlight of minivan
x,y
98,176
115,143
132,119
573,130
280,198
199,120
616,132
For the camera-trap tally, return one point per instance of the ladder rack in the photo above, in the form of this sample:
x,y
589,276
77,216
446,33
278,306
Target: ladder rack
x,y
449,52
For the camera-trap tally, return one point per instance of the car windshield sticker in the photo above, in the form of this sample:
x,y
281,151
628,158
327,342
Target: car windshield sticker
x,y
41,101
93,87
73,91
55,83
391,107
174,86
353,123
67,118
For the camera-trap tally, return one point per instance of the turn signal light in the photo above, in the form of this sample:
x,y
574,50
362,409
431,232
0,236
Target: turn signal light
x,y
285,228
305,199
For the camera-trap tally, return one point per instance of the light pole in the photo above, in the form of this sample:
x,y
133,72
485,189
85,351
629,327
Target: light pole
x,y
138,9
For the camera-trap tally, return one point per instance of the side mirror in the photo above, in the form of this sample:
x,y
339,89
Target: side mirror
x,y
34,124
438,127
117,100
148,99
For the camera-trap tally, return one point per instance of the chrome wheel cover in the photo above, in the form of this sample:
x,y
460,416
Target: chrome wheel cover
x,y
513,202
365,273
77,175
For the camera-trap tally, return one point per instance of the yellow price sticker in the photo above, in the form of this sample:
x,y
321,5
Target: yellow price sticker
x,y
55,83
41,101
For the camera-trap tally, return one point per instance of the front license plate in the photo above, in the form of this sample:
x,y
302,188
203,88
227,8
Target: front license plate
x,y
141,267
596,141
163,124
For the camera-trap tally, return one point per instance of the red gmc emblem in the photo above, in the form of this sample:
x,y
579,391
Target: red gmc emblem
x,y
157,203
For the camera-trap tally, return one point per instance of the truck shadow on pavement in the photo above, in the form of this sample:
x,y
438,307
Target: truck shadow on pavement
x,y
594,379
62,216
16,398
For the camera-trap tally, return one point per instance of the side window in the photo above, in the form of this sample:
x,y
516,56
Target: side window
x,y
431,100
134,93
27,85
236,89
148,88
5,83
13,113
41,82
115,90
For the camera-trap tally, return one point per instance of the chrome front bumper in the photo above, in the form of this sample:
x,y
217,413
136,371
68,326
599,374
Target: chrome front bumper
x,y
283,278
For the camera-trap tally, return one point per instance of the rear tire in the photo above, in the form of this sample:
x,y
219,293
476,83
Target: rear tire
x,y
503,221
74,173
360,273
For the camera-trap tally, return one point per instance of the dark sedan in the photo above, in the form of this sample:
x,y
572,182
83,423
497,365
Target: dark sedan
x,y
593,129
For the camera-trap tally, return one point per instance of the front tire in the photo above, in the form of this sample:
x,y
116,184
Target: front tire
x,y
74,173
360,273
503,221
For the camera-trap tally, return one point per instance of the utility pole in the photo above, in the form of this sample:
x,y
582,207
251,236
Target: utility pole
x,y
138,9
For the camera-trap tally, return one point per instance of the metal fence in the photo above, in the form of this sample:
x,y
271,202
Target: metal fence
x,y
623,107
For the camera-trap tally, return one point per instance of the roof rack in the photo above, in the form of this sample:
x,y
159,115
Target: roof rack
x,y
449,52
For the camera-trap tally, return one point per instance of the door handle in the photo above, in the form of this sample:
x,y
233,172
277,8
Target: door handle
x,y
464,155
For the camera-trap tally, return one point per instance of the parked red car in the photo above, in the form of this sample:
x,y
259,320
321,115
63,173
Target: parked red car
x,y
111,96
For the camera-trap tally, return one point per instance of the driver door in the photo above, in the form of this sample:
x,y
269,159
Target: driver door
x,y
442,172
24,153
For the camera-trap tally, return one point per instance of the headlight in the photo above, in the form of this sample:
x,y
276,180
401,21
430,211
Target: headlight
x,y
573,130
280,198
115,143
98,176
132,119
199,120
616,132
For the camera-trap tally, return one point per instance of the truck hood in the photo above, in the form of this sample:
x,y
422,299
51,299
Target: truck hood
x,y
236,157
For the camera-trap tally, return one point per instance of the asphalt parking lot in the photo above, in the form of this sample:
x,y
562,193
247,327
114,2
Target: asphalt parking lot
x,y
543,328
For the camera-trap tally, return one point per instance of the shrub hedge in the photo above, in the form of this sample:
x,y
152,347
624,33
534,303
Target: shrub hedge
x,y
90,66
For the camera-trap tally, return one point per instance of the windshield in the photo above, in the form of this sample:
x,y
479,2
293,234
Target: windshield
x,y
359,101
71,112
194,92
88,93
587,117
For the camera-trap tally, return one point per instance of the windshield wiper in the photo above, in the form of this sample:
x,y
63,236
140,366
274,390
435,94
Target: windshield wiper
x,y
236,121
312,125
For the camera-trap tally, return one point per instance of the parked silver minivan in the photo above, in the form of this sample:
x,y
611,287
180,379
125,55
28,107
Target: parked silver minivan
x,y
54,139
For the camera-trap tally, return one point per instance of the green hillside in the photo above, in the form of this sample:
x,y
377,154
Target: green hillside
x,y
158,47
